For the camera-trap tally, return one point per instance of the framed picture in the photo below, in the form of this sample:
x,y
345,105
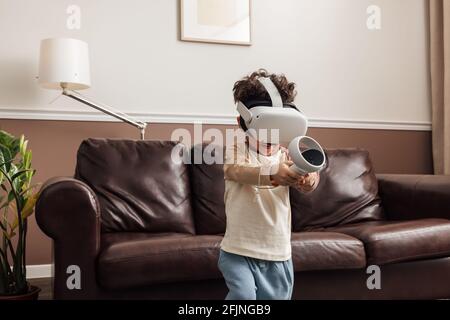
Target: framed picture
x,y
216,21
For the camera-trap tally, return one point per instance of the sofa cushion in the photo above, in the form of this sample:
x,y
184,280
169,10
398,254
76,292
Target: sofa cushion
x,y
208,188
397,241
139,259
347,193
326,251
138,185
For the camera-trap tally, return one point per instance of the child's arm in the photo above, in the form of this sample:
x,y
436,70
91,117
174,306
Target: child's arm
x,y
246,174
238,168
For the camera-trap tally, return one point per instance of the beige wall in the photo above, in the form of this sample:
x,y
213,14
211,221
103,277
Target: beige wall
x,y
54,145
344,70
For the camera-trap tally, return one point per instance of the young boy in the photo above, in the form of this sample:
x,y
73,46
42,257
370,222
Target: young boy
x,y
255,257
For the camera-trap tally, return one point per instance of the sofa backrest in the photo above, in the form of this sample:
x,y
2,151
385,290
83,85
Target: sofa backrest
x,y
139,187
207,187
347,193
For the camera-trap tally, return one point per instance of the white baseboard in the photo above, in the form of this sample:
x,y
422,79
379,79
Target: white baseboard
x,y
39,271
34,114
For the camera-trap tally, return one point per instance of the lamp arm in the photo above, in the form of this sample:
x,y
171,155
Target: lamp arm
x,y
138,124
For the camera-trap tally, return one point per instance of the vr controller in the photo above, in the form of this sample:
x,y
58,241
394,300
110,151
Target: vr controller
x,y
282,123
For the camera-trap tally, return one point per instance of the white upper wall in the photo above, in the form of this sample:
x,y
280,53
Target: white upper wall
x,y
343,70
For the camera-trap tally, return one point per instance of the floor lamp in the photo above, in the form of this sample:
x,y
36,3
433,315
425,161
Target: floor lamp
x,y
64,65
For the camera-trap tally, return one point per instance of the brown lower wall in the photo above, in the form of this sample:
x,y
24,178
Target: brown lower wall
x,y
54,145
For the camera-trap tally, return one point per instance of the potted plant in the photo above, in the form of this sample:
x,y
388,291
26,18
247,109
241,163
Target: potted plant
x,y
17,199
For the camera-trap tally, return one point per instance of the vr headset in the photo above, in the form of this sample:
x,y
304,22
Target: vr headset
x,y
277,122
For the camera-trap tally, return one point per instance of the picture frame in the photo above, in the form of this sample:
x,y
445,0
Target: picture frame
x,y
216,21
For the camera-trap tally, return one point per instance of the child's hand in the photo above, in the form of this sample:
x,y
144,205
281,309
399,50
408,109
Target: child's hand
x,y
308,182
285,176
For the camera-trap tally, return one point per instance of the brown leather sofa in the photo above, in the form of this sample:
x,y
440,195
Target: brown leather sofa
x,y
141,226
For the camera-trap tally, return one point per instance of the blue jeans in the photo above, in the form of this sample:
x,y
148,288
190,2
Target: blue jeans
x,y
255,279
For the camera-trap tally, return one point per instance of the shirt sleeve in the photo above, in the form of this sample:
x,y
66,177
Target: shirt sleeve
x,y
237,167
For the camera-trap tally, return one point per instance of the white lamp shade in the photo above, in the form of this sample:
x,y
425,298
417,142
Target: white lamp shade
x,y
64,62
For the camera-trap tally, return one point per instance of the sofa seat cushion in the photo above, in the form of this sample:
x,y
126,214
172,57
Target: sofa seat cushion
x,y
140,259
326,251
397,241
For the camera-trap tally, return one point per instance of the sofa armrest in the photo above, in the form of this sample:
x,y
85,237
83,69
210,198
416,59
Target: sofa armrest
x,y
68,212
406,197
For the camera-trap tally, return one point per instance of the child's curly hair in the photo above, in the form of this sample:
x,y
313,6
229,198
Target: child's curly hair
x,y
249,88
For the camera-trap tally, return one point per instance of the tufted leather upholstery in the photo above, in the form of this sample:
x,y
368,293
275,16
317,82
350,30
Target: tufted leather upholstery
x,y
137,184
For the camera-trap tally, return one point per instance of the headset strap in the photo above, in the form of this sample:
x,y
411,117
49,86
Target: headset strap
x,y
272,91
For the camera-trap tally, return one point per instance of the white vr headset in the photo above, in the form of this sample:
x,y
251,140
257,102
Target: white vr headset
x,y
276,122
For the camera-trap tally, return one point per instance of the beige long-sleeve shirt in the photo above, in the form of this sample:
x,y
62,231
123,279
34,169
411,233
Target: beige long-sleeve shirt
x,y
258,214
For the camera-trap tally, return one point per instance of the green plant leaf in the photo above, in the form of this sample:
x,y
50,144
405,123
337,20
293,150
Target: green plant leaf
x,y
19,173
11,196
28,189
6,138
17,196
2,161
3,166
27,159
5,158
22,144
6,235
14,168
27,211
4,283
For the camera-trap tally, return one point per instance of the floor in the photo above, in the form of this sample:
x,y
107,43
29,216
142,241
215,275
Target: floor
x,y
46,287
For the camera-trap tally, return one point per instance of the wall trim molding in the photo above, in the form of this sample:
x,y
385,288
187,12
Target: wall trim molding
x,y
57,115
37,271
